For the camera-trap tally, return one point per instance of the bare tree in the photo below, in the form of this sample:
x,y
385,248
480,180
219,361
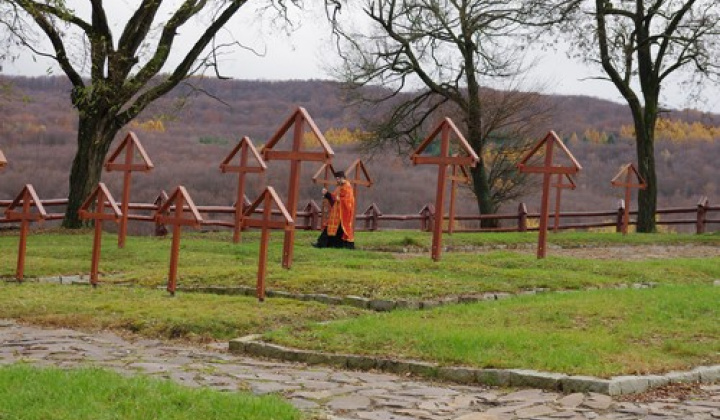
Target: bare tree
x,y
114,78
511,122
443,51
640,45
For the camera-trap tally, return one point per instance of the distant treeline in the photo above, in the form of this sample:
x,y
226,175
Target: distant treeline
x,y
188,134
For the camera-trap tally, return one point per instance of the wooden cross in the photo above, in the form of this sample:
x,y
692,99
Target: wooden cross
x,y
311,211
177,202
630,172
296,156
99,198
445,128
558,192
3,161
25,200
459,174
129,146
325,176
427,217
549,142
267,198
245,148
357,174
160,229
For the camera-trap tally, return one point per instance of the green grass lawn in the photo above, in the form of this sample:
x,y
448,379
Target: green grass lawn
x,y
32,394
153,313
602,332
211,259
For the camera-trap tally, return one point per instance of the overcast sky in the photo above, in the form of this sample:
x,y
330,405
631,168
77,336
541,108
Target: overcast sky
x,y
308,54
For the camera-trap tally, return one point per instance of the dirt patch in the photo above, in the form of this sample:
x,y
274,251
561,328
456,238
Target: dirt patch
x,y
647,252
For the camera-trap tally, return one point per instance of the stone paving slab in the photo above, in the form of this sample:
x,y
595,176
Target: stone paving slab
x,y
328,393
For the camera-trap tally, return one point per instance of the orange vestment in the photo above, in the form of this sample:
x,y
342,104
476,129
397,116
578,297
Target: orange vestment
x,y
342,212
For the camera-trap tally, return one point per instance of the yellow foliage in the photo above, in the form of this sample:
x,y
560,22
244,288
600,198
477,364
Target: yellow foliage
x,y
595,136
149,125
678,131
490,151
574,139
337,137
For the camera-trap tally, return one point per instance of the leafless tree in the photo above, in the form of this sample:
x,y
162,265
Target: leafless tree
x,y
436,53
116,76
641,46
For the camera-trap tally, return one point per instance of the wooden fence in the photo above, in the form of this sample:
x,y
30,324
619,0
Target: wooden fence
x,y
309,217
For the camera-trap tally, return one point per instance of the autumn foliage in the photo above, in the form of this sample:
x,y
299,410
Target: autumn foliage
x,y
37,135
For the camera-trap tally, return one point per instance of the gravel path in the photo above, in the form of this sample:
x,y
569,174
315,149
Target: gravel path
x,y
340,395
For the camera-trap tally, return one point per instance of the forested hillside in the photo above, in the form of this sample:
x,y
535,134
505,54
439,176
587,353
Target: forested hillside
x,y
188,134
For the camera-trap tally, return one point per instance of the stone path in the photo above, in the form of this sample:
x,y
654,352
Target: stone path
x,y
331,394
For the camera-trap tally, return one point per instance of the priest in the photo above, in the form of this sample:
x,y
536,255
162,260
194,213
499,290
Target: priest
x,y
339,228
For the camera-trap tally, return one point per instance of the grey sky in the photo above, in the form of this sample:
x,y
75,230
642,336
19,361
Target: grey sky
x,y
308,54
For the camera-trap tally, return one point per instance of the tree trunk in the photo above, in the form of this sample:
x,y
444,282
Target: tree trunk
x,y
94,138
645,146
481,185
483,194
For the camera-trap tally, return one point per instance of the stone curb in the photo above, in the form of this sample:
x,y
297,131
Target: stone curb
x,y
618,385
378,305
66,280
382,305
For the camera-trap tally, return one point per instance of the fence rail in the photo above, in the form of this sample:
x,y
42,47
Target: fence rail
x,y
372,218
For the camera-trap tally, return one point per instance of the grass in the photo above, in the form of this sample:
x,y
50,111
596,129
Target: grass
x,y
152,313
602,333
30,393
211,259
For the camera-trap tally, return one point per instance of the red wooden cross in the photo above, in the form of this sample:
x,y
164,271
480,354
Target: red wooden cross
x,y
547,169
445,158
27,199
267,199
325,176
129,146
311,211
164,215
630,172
160,229
296,156
94,208
558,195
245,148
357,174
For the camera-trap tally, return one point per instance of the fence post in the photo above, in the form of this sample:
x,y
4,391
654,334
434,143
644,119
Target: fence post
x,y
427,217
372,213
620,216
522,217
311,218
160,229
701,214
316,217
